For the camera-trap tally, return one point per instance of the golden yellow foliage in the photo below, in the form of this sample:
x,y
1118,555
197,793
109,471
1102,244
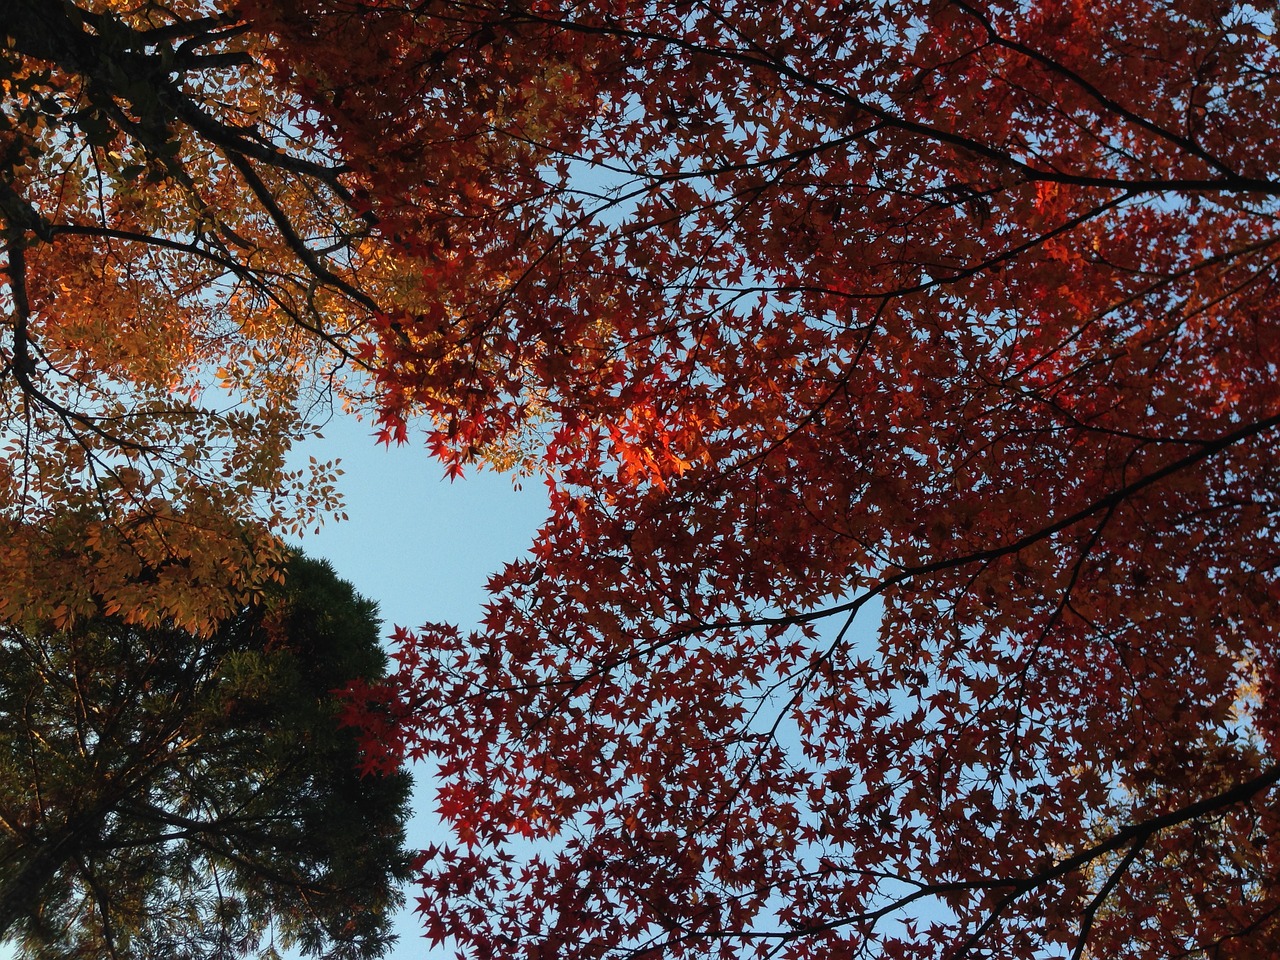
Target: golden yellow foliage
x,y
184,294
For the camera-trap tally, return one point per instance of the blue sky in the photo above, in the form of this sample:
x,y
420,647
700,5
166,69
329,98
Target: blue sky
x,y
422,547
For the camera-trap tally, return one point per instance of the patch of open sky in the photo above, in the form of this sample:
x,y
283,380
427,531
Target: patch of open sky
x,y
422,547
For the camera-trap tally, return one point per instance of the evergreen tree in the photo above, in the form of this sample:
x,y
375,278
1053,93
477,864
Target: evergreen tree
x,y
164,795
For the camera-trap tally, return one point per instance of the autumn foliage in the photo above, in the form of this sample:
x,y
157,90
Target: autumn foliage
x,y
905,380
906,377
177,289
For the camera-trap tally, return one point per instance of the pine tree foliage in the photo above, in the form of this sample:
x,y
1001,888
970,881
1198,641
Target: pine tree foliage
x,y
165,795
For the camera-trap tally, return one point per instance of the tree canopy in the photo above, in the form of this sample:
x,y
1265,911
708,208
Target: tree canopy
x,y
904,376
170,796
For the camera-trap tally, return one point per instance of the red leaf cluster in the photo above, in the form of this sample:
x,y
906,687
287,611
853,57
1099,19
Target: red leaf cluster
x,y
906,378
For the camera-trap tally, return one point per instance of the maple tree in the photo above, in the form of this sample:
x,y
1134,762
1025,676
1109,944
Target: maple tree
x,y
906,377
179,797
